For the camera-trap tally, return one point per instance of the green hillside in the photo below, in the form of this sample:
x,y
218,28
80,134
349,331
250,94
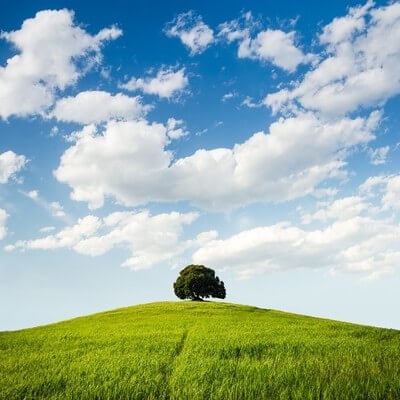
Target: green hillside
x,y
200,350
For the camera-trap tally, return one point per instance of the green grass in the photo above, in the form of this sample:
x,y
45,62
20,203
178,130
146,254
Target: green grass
x,y
200,350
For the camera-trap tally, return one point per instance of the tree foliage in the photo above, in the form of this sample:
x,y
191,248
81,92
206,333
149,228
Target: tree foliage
x,y
196,282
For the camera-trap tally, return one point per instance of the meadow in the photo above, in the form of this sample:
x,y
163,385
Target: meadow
x,y
199,350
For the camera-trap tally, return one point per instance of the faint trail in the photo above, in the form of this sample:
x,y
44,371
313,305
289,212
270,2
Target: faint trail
x,y
168,369
181,344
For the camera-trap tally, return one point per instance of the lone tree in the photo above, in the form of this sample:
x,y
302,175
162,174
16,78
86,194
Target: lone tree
x,y
196,282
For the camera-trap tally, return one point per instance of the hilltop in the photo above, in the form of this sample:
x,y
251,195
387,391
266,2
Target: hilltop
x,y
199,350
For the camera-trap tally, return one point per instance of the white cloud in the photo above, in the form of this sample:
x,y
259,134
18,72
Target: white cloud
x,y
33,194
129,161
229,96
10,164
237,29
205,237
357,244
30,79
98,106
248,102
166,84
360,68
176,128
272,45
378,156
3,219
344,28
371,182
387,186
66,238
151,239
192,32
325,192
54,208
57,210
276,47
341,209
391,199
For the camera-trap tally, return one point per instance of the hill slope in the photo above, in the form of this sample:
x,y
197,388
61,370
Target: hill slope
x,y
199,350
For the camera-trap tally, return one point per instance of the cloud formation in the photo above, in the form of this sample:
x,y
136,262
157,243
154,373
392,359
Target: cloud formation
x,y
121,156
341,209
130,162
270,45
166,84
151,239
355,237
358,244
54,208
66,238
96,106
50,47
378,156
359,70
192,32
176,128
386,185
125,161
10,164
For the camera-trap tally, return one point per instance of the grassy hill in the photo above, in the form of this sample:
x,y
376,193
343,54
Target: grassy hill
x,y
200,350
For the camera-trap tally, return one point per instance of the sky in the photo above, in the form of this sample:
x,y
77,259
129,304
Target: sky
x,y
260,139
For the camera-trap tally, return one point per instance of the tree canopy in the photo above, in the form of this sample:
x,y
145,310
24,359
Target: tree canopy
x,y
196,282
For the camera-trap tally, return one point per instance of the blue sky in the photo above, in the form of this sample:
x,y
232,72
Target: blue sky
x,y
259,139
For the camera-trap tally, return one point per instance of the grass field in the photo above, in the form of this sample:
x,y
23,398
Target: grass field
x,y
200,350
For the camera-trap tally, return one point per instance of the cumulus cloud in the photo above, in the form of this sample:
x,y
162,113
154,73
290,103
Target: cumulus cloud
x,y
341,209
126,161
192,32
98,106
10,164
344,28
129,161
151,239
355,237
176,128
166,84
360,68
53,52
357,244
3,219
270,45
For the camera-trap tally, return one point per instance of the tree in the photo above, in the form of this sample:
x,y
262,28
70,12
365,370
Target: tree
x,y
196,282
